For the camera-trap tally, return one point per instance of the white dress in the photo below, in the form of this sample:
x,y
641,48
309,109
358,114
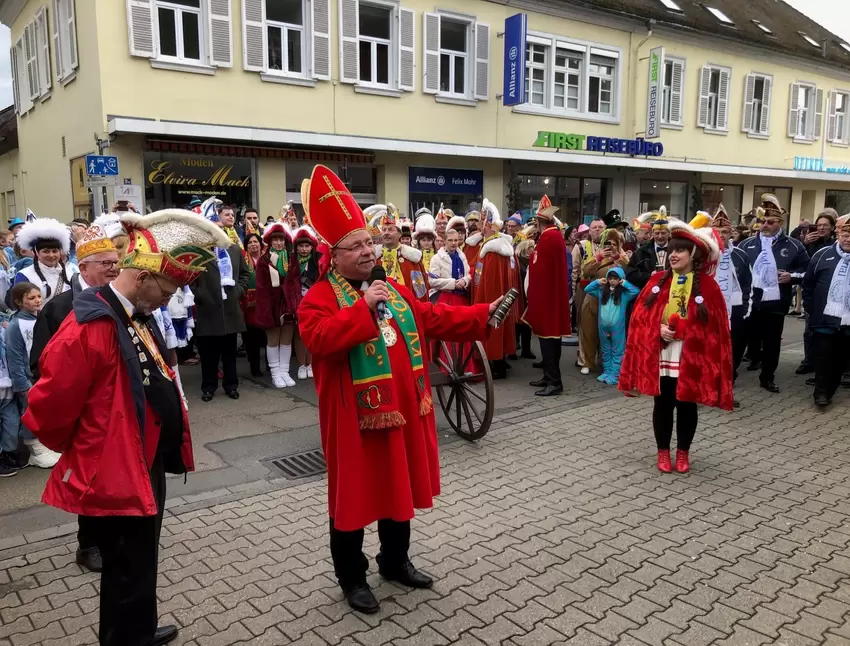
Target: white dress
x,y
52,277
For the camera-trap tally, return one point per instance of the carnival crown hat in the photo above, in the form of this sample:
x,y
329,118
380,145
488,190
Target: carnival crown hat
x,y
721,218
332,210
456,221
277,228
42,232
94,241
703,238
660,219
643,221
305,233
443,214
473,214
173,242
425,226
111,225
545,210
491,214
770,198
423,211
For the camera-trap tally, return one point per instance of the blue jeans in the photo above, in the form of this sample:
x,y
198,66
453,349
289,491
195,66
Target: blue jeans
x,y
23,401
10,425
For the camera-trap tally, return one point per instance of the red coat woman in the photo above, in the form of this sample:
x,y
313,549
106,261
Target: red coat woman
x,y
254,335
278,296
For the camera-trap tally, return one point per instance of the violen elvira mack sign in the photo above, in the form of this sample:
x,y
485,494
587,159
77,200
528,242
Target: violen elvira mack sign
x,y
653,95
516,28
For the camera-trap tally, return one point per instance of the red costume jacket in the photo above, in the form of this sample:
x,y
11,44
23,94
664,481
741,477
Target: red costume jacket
x,y
705,369
274,303
89,405
493,274
412,270
378,473
548,311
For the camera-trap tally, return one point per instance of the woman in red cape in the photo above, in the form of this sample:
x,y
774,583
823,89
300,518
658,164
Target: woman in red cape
x,y
679,349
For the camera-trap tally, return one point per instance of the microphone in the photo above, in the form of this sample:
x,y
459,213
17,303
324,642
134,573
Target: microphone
x,y
379,273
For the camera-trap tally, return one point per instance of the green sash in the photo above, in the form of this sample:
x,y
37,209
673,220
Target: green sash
x,y
371,372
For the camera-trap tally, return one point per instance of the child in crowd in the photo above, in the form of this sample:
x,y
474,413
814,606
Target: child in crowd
x,y
306,244
27,298
614,293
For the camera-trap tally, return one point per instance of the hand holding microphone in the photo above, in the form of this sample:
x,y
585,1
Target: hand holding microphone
x,y
378,293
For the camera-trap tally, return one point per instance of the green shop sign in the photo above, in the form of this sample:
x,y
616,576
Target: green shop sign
x,y
633,147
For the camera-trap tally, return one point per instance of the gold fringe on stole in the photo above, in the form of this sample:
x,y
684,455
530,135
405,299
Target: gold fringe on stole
x,y
381,420
426,405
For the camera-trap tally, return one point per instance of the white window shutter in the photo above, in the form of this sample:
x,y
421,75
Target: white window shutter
x,y
431,53
140,24
704,87
793,110
723,100
830,119
482,61
57,42
349,50
31,55
676,87
45,72
818,114
15,81
749,95
765,105
219,22
406,50
254,35
322,39
71,65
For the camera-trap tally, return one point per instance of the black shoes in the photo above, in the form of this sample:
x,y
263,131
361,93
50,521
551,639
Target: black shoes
x,y
540,383
770,387
409,576
164,635
537,365
528,355
256,372
822,401
736,404
754,365
207,397
90,559
550,390
811,381
361,599
804,369
233,394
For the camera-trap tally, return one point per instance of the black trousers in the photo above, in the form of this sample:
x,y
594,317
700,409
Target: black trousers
x,y
214,350
739,333
662,417
523,336
351,565
830,353
766,326
129,547
254,339
86,532
550,350
808,351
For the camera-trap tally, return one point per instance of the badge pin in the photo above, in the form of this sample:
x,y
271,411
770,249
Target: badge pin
x,y
143,357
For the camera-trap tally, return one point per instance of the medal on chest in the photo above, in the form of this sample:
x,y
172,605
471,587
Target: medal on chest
x,y
389,334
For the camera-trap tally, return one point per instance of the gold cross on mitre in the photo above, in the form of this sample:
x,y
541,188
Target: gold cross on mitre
x,y
336,194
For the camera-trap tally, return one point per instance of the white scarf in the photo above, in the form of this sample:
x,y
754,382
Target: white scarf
x,y
727,279
765,275
838,300
225,269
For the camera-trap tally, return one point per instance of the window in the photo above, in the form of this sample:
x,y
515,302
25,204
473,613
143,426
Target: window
x,y
42,49
671,92
838,125
580,199
809,39
730,195
805,115
570,78
714,99
31,71
838,200
456,57
655,193
722,17
783,194
764,28
376,46
672,6
184,35
285,32
64,40
757,91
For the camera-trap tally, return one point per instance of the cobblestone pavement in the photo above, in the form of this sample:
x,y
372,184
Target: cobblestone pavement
x,y
556,528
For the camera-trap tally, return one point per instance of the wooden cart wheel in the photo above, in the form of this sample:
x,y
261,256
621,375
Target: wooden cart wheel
x,y
467,396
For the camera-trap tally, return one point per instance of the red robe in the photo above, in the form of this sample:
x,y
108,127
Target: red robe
x,y
381,473
471,249
495,271
548,311
412,270
705,369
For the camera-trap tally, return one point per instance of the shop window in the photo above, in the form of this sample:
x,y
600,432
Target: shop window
x,y
757,93
570,78
285,31
714,99
579,199
655,193
838,125
730,195
805,116
456,57
838,200
361,180
671,93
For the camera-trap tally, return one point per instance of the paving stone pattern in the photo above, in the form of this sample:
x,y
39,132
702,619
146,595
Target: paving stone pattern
x,y
555,529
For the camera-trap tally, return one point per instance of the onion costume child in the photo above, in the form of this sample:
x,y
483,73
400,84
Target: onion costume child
x,y
614,294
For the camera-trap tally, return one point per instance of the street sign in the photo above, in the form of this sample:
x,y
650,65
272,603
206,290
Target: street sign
x,y
101,165
131,193
102,180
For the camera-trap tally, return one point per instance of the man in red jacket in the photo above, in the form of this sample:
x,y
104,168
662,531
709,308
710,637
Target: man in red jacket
x,y
118,418
548,311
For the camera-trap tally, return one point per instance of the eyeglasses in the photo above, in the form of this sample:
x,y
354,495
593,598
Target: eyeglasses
x,y
106,264
370,244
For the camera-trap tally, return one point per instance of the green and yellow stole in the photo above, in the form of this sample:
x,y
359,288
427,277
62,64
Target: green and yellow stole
x,y
377,397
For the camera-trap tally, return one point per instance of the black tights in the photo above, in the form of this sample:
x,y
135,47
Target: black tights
x,y
662,417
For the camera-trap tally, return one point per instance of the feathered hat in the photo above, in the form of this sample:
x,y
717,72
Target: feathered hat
x,y
111,225
425,226
276,229
472,214
173,242
455,222
702,238
44,233
660,219
491,214
545,210
305,233
643,221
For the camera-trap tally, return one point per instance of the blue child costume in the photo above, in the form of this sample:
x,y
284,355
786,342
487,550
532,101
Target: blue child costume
x,y
612,322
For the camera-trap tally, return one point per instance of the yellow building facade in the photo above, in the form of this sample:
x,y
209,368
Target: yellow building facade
x,y
240,98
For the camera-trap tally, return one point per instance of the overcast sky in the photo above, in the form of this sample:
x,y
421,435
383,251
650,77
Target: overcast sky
x,y
833,14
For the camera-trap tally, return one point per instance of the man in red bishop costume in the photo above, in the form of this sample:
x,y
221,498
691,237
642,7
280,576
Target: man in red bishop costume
x,y
494,271
548,311
369,345
108,401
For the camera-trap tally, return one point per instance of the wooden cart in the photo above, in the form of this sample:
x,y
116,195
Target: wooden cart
x,y
461,376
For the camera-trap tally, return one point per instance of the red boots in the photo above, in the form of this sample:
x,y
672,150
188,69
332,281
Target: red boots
x,y
665,465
